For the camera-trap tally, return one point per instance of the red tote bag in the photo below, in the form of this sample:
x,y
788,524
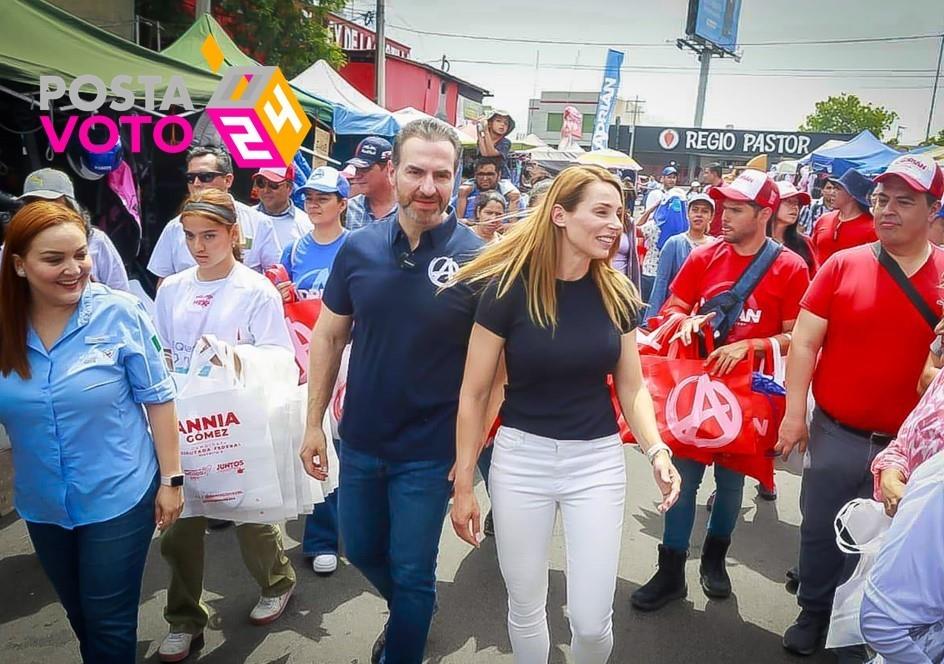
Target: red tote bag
x,y
300,318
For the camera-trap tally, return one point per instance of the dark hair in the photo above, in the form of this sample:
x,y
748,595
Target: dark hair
x,y
792,240
31,220
224,161
487,161
716,168
487,197
427,129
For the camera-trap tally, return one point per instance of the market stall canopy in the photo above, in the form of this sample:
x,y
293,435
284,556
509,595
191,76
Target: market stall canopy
x,y
353,112
406,115
828,145
552,159
529,142
187,48
39,39
865,153
935,152
610,159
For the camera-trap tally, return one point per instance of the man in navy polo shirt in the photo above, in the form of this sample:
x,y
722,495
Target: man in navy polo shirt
x,y
406,364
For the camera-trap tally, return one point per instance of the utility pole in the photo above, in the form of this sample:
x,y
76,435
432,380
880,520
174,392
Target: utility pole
x,y
636,112
705,51
937,78
380,66
203,7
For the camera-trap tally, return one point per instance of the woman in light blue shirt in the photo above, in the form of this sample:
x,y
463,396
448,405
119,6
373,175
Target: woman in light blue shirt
x,y
77,362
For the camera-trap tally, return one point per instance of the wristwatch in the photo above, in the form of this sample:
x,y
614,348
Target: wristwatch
x,y
172,480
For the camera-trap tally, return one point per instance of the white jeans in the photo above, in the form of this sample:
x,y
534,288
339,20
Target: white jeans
x,y
531,476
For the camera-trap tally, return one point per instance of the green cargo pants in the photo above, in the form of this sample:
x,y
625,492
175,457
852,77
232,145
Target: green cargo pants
x,y
182,546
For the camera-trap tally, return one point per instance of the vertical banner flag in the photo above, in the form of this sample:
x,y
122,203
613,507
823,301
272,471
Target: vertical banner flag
x,y
607,100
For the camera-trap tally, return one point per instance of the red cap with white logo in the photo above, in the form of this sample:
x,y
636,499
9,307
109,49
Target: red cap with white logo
x,y
751,186
919,172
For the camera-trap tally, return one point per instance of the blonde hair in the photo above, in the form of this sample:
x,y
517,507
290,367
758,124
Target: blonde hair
x,y
531,248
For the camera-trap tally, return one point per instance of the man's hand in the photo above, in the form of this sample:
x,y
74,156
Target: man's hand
x,y
726,357
794,434
466,515
689,327
893,488
314,453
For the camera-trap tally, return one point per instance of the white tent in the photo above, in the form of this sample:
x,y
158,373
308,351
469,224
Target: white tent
x,y
353,112
408,114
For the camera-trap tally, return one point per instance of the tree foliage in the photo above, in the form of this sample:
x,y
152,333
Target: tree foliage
x,y
847,114
935,140
289,33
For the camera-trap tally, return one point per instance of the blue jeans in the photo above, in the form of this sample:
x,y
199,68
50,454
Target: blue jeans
x,y
97,571
391,515
679,520
321,526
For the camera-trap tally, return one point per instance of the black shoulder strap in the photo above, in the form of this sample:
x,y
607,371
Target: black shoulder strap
x,y
898,275
756,269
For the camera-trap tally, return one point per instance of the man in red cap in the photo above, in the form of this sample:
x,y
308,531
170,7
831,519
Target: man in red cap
x,y
861,339
768,310
275,186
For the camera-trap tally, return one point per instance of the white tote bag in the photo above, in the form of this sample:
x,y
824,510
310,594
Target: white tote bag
x,y
860,529
225,443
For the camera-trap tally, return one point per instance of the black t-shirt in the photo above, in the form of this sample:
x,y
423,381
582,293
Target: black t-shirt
x,y
556,376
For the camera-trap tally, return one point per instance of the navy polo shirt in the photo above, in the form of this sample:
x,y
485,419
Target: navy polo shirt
x,y
409,340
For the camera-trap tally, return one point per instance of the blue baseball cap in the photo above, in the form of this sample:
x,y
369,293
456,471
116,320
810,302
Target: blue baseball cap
x,y
327,180
372,150
670,170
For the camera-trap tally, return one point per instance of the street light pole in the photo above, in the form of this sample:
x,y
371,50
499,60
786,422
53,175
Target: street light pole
x,y
937,78
380,67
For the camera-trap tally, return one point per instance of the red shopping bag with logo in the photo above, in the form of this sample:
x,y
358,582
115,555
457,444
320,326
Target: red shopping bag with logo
x,y
300,318
700,414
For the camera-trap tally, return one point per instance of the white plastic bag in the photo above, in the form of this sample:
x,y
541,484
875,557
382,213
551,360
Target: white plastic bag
x,y
225,444
860,529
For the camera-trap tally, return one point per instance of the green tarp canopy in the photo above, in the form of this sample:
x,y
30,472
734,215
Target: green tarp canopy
x,y
39,39
187,49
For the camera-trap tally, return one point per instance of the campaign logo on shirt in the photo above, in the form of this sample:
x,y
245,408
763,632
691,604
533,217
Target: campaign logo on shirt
x,y
203,301
441,270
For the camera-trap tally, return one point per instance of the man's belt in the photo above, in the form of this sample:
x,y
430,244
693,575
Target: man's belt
x,y
880,439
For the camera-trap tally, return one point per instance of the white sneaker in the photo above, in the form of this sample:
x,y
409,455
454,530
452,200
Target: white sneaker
x,y
324,564
269,609
176,646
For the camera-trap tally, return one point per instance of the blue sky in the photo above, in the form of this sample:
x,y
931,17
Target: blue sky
x,y
773,87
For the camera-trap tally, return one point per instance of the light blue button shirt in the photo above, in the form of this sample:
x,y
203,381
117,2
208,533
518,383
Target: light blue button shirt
x,y
82,450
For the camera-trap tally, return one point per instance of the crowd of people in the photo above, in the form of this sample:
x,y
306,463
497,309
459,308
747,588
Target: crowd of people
x,y
526,304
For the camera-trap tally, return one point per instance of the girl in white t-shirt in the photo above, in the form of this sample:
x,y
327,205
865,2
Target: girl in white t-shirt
x,y
222,297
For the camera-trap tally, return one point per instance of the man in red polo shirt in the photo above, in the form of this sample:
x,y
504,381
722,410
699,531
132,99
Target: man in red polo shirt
x,y
871,342
850,222
769,311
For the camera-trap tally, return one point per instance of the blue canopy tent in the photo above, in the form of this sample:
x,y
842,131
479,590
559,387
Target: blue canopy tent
x,y
865,153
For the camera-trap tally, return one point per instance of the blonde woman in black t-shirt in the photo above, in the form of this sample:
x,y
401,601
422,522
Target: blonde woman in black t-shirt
x,y
563,319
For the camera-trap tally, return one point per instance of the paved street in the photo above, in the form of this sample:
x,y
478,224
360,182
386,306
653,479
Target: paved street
x,y
335,620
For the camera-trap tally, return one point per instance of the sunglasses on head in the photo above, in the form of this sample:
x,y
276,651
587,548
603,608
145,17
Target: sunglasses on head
x,y
204,176
264,183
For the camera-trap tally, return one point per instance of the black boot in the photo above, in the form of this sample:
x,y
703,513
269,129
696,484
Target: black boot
x,y
667,584
714,577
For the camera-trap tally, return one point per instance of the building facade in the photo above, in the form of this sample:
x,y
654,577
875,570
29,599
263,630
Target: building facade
x,y
546,114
